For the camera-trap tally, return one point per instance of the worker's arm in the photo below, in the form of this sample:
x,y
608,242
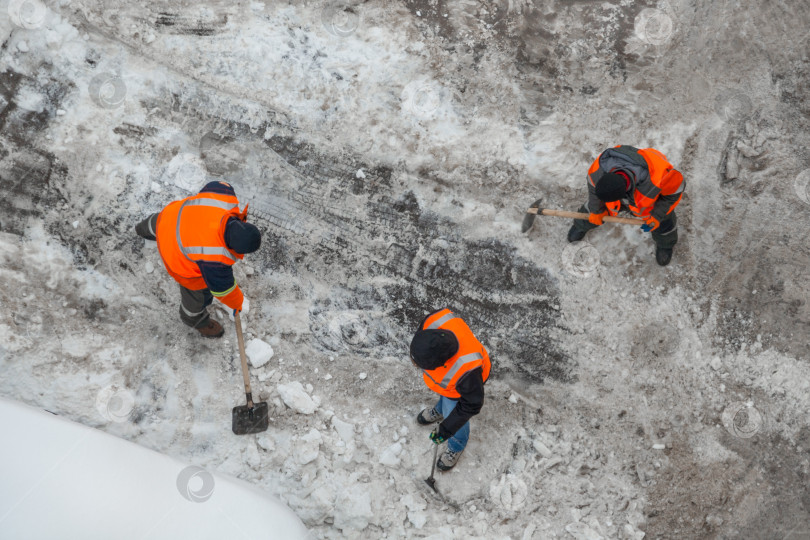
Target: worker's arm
x,y
471,388
672,187
221,283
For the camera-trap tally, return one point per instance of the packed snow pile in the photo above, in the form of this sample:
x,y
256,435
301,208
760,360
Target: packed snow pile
x,y
388,150
259,352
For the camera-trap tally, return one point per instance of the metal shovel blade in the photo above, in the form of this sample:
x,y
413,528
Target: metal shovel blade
x,y
246,420
528,219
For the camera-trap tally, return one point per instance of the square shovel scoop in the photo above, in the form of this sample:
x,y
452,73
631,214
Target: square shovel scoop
x,y
252,417
247,420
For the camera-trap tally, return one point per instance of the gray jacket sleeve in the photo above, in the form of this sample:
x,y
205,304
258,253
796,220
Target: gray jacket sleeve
x,y
665,203
595,204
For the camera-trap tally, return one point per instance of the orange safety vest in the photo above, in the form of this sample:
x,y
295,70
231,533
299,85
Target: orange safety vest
x,y
654,176
192,230
471,355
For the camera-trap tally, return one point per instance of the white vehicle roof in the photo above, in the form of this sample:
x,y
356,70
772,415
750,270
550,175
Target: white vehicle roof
x,y
62,480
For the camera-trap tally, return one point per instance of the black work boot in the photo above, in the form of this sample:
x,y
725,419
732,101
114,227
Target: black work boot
x,y
210,329
429,416
145,229
663,255
575,234
448,460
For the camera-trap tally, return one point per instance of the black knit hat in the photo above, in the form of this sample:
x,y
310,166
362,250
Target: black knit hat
x,y
432,348
242,237
611,187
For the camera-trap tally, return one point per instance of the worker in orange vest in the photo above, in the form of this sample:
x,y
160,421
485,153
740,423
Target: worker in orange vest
x,y
455,365
199,239
641,181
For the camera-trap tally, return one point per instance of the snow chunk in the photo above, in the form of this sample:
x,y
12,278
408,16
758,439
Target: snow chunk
x,y
418,519
186,171
259,352
353,508
252,457
390,456
541,448
309,447
266,444
580,531
295,397
359,174
22,46
344,429
149,267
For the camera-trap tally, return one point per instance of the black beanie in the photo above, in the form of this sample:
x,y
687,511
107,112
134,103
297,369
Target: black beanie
x,y
611,187
432,348
242,237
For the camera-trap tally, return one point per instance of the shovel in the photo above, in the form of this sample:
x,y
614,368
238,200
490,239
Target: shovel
x,y
432,481
534,210
253,417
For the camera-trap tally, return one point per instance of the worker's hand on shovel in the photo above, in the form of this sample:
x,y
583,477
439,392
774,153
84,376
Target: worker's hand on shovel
x,y
437,437
650,224
597,219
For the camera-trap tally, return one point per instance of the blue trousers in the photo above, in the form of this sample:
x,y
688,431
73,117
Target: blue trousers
x,y
458,441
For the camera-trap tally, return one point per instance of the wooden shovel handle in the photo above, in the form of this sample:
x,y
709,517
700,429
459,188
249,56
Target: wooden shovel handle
x,y
579,215
241,339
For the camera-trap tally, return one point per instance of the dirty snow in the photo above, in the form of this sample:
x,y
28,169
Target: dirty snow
x,y
388,152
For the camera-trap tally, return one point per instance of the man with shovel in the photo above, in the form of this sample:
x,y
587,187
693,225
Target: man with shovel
x,y
455,365
641,181
199,239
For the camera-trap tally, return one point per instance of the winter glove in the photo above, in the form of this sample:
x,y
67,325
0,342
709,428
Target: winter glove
x,y
243,214
436,437
596,219
439,435
650,224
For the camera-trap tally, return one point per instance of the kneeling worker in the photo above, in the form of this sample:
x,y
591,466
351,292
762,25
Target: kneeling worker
x,y
199,239
455,365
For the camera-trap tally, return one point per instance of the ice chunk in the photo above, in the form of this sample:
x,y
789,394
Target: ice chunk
x,y
259,352
309,446
390,456
295,397
581,531
266,444
353,508
252,457
541,448
344,429
417,519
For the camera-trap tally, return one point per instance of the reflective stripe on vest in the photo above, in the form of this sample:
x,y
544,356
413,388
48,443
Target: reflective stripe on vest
x,y
441,321
203,250
459,364
206,201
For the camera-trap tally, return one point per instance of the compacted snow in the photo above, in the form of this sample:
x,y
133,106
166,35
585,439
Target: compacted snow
x,y
388,150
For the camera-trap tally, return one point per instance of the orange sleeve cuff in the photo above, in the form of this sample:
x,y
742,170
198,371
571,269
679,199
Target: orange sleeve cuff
x,y
233,299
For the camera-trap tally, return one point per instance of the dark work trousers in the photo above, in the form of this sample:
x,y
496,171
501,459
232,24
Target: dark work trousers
x,y
193,304
665,236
